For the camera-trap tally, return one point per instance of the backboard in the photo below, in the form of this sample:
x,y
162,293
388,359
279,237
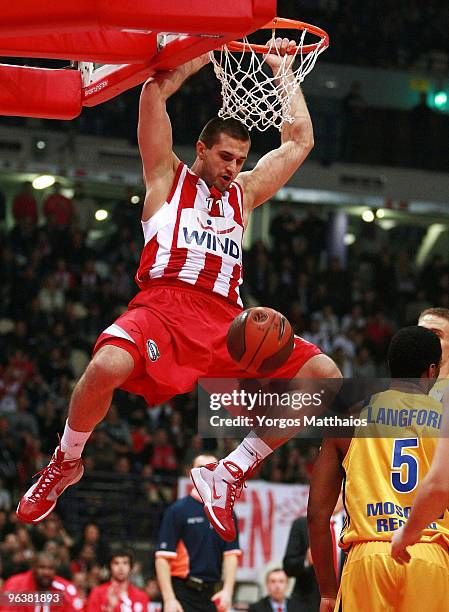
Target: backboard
x,y
110,46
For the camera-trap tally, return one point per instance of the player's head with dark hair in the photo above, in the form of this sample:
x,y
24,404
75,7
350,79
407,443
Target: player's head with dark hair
x,y
211,132
414,352
221,151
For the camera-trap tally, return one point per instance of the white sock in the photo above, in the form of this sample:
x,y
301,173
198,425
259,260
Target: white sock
x,y
245,454
73,442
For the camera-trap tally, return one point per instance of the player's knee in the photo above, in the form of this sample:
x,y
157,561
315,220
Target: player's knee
x,y
109,367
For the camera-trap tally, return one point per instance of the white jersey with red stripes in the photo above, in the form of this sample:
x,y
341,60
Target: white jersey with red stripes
x,y
196,237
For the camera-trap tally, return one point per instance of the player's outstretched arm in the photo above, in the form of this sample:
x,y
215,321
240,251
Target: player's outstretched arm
x,y
432,498
155,133
325,488
276,167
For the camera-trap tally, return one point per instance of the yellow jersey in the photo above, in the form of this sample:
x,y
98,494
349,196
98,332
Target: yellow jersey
x,y
382,473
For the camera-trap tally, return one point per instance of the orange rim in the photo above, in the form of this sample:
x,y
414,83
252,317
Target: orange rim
x,y
291,24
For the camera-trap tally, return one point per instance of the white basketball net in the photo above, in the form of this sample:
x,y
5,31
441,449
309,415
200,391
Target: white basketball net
x,y
250,91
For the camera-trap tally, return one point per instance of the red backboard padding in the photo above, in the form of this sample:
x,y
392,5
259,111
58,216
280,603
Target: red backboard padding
x,y
103,47
40,92
191,16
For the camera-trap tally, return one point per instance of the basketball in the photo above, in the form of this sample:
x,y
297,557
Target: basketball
x,y
260,340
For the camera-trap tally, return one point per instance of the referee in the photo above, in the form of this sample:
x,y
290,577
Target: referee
x,y
195,568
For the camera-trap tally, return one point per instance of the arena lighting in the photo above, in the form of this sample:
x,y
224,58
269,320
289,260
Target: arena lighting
x,y
387,224
135,199
368,216
101,214
43,181
41,144
440,99
380,213
349,239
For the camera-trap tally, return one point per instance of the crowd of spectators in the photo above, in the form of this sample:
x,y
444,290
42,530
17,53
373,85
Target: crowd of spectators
x,y
83,561
59,289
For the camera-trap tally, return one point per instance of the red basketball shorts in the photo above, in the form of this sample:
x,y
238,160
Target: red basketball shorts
x,y
177,335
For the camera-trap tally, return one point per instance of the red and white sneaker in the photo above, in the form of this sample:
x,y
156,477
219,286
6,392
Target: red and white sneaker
x,y
41,497
219,494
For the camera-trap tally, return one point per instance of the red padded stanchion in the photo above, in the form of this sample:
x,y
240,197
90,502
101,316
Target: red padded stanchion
x,y
39,92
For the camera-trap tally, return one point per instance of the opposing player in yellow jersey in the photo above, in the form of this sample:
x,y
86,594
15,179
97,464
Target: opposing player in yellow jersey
x,y
433,493
380,475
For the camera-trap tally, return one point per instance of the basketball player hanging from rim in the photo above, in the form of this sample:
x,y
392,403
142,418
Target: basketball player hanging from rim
x,y
174,331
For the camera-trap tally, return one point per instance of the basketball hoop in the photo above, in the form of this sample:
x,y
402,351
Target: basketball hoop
x,y
250,92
